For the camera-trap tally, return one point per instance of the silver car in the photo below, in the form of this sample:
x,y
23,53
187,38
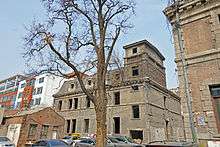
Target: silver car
x,y
4,141
89,142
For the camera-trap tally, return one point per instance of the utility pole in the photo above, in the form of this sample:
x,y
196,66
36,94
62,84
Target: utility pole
x,y
184,69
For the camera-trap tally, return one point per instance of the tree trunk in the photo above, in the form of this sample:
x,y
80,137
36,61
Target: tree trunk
x,y
101,111
101,127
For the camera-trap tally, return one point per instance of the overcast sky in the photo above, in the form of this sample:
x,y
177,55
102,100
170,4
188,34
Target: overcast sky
x,y
149,22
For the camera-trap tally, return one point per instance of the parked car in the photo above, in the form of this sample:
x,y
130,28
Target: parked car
x,y
4,141
89,142
124,139
50,143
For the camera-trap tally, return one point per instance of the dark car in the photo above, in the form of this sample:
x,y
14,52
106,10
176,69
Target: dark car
x,y
50,143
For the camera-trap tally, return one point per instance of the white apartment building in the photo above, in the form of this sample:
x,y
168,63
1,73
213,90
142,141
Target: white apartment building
x,y
44,86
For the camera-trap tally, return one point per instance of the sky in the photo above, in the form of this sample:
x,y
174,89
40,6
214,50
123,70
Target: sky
x,y
149,23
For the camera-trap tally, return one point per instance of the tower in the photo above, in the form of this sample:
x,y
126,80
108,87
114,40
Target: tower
x,y
200,27
142,60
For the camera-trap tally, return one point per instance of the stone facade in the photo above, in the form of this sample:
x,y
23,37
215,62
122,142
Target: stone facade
x,y
200,26
26,127
139,105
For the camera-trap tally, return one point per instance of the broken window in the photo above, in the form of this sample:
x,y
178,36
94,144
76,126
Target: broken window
x,y
136,111
136,134
74,126
117,98
70,103
67,126
89,82
87,102
86,125
134,50
75,103
135,71
116,125
60,105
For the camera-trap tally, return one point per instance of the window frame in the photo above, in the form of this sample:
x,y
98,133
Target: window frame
x,y
135,115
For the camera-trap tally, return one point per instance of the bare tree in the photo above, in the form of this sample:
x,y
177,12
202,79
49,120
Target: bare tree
x,y
79,36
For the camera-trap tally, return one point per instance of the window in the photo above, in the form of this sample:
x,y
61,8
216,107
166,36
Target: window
x,y
32,103
219,18
20,95
134,50
74,126
117,98
34,91
70,103
136,112
37,102
44,131
87,102
215,92
60,105
32,82
75,103
135,87
32,130
135,71
41,80
164,101
23,85
39,90
72,86
136,134
116,125
89,82
86,121
18,104
67,126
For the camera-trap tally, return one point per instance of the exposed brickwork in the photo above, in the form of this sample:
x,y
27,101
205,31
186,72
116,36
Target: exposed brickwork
x,y
200,26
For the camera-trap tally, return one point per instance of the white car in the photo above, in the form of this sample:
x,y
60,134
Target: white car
x,y
4,141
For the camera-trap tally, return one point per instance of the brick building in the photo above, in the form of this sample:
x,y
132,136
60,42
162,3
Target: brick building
x,y
8,91
26,127
139,105
200,26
